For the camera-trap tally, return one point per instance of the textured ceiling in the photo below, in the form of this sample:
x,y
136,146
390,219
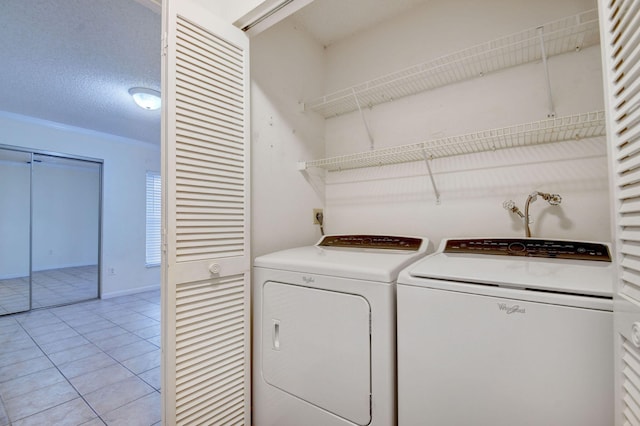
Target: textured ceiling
x,y
73,62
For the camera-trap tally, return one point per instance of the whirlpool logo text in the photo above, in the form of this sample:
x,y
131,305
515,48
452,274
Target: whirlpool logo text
x,y
513,309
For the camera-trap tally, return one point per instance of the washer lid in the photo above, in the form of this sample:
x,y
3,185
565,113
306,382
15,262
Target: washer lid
x,y
573,276
357,261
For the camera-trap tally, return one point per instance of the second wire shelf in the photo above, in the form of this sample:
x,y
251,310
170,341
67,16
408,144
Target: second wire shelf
x,y
572,127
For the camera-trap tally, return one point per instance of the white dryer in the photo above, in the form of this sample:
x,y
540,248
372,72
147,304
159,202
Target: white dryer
x,y
324,331
503,332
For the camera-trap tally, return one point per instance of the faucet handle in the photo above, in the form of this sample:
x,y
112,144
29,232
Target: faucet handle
x,y
509,205
555,199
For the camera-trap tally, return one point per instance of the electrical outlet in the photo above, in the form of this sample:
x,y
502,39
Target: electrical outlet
x,y
317,212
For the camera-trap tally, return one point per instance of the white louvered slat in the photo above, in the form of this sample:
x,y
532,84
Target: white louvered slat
x,y
629,206
631,247
632,278
628,119
206,185
629,71
624,150
620,32
629,178
629,191
628,159
632,219
202,140
214,166
629,234
202,152
206,347
628,289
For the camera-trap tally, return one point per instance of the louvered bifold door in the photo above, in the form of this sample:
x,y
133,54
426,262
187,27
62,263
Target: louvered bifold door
x,y
620,35
205,297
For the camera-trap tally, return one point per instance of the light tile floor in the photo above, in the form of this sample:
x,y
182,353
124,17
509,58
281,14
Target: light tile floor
x,y
91,363
50,287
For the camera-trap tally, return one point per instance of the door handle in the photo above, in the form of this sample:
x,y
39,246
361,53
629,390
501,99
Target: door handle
x,y
275,335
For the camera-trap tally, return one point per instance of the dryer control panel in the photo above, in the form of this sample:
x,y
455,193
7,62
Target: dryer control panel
x,y
387,242
531,247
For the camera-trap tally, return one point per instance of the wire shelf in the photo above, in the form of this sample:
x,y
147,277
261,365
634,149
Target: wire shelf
x,y
572,127
565,35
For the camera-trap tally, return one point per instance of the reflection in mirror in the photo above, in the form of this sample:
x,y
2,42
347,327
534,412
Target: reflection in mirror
x,y
65,226
15,177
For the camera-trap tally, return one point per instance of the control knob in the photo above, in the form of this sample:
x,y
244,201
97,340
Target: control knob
x,y
517,247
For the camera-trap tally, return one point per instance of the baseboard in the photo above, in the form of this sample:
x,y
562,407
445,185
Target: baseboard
x,y
128,292
64,266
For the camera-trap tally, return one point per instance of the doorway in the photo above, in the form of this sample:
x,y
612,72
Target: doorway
x,y
50,220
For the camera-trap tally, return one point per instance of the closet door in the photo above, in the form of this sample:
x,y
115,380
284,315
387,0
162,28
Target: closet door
x,y
66,230
205,167
15,211
620,35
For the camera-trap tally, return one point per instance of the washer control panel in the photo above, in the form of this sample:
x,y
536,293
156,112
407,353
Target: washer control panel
x,y
531,247
387,242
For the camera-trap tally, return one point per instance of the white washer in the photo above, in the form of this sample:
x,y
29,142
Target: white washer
x,y
324,331
503,332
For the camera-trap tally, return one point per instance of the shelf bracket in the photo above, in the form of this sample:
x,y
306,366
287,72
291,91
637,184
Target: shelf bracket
x,y
366,126
433,182
317,181
543,52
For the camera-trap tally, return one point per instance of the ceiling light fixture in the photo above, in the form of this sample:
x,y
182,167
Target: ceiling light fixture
x,y
145,98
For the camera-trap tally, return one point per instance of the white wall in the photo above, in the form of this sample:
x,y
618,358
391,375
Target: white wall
x,y
399,199
286,68
125,164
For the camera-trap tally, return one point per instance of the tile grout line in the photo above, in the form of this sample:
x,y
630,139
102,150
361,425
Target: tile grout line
x,y
59,371
4,410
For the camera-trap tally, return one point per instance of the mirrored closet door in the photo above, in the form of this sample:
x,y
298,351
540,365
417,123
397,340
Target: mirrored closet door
x,y
15,207
65,226
50,209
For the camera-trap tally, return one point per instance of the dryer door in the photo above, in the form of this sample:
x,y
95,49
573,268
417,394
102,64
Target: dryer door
x,y
316,347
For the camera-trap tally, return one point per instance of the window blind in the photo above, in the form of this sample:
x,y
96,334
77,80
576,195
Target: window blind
x,y
153,219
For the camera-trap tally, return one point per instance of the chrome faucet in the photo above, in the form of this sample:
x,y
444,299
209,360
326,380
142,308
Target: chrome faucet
x,y
553,199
